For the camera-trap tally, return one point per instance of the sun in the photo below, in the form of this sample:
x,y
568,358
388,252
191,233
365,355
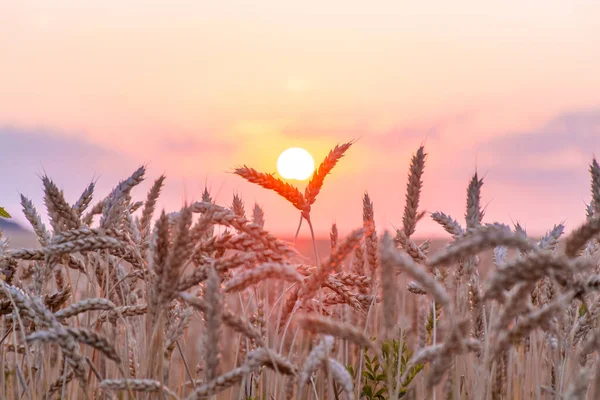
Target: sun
x,y
295,163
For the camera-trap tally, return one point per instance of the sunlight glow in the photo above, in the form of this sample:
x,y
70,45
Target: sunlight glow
x,y
295,163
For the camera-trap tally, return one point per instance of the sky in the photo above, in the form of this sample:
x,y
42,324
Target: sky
x,y
91,90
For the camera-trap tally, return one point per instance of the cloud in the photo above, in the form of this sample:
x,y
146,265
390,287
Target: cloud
x,y
44,149
72,162
195,145
578,129
399,134
554,155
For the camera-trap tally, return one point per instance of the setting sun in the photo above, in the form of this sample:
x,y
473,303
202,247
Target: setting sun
x,y
295,163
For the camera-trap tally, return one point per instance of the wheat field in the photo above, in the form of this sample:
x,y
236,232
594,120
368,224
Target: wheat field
x,y
120,300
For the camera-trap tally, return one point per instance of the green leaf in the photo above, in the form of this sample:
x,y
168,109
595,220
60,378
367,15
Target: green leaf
x,y
370,376
4,213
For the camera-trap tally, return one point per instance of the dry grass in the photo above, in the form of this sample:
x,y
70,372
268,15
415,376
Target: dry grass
x,y
119,302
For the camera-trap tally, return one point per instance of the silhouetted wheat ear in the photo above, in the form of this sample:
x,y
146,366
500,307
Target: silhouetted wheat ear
x,y
595,172
268,181
333,236
237,206
316,183
474,214
413,191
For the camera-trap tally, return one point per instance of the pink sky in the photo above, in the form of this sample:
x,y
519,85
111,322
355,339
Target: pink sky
x,y
194,89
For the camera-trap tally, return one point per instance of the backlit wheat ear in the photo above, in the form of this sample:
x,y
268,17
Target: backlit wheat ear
x,y
84,200
62,216
237,206
449,224
149,208
529,322
318,324
595,172
333,237
371,242
530,268
136,385
520,230
258,215
35,220
224,216
260,273
85,306
316,182
413,191
268,181
116,202
270,359
550,240
179,254
235,322
84,336
580,236
474,214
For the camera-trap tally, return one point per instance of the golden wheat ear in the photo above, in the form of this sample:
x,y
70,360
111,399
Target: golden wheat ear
x,y
268,181
316,182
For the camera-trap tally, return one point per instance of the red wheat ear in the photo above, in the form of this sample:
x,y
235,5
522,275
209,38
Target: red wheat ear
x,y
316,182
268,181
